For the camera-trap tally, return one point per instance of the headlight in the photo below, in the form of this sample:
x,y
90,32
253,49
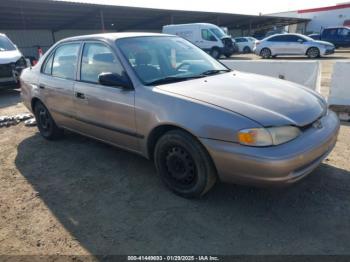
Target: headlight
x,y
267,136
21,63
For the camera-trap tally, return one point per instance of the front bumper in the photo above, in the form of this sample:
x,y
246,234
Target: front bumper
x,y
9,82
328,51
277,165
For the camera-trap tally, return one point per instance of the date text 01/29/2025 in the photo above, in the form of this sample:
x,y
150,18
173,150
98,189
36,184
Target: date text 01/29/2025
x,y
173,258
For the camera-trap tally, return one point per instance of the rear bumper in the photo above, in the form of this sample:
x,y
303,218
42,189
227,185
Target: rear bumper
x,y
278,165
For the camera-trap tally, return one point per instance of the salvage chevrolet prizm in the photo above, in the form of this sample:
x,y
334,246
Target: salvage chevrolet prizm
x,y
162,97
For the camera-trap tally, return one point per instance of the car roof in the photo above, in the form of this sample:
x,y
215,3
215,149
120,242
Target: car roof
x,y
111,36
337,27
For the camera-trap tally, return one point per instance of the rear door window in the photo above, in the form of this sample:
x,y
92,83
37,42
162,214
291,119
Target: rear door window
x,y
47,69
65,61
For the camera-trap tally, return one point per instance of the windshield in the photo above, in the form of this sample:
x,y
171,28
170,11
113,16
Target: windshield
x,y
5,44
166,59
218,32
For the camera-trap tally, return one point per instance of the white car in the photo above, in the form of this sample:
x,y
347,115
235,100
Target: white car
x,y
12,63
246,44
293,44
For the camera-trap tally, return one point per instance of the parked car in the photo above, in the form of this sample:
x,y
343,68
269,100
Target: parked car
x,y
293,44
164,98
314,36
339,36
12,62
246,44
208,37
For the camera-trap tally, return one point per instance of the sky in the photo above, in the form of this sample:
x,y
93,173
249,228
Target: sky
x,y
253,7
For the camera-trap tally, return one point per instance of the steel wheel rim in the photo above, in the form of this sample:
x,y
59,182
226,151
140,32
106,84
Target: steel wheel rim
x,y
44,119
180,166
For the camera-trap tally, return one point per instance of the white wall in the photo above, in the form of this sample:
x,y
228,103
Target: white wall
x,y
321,19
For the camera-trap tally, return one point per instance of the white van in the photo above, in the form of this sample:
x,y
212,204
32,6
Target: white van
x,y
208,37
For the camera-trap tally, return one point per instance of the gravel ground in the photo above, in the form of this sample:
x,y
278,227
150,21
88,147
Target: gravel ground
x,y
77,196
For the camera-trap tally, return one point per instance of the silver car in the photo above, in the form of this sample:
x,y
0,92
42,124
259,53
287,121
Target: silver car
x,y
165,99
293,44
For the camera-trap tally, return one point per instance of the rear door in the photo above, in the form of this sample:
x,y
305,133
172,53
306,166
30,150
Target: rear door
x,y
57,80
104,112
278,45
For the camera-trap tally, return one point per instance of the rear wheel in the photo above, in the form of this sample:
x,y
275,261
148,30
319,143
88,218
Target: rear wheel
x,y
215,52
265,53
184,165
247,50
46,125
313,52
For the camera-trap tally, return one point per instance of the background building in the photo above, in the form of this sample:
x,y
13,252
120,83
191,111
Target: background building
x,y
34,23
338,15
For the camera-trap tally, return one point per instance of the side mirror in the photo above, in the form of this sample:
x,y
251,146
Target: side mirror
x,y
112,79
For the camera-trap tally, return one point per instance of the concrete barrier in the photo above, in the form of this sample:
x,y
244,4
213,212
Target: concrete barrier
x,y
306,73
339,94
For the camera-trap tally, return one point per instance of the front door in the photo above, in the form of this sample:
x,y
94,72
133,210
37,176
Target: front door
x,y
104,112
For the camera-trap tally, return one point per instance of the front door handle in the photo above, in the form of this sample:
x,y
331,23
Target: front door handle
x,y
80,95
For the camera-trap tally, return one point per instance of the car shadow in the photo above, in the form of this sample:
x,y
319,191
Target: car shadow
x,y
113,202
9,97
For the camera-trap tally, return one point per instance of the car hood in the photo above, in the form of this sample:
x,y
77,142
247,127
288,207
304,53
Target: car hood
x,y
324,42
268,101
7,57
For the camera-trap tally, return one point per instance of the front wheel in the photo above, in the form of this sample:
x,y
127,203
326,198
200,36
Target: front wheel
x,y
215,52
184,165
46,125
313,52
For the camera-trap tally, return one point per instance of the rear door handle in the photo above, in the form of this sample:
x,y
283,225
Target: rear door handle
x,y
41,86
80,95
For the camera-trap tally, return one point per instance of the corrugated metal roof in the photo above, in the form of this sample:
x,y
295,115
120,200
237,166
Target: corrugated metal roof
x,y
56,15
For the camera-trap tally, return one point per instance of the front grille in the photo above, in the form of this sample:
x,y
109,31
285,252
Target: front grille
x,y
227,42
6,70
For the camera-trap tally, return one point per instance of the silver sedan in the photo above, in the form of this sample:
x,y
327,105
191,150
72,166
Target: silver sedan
x,y
293,44
165,99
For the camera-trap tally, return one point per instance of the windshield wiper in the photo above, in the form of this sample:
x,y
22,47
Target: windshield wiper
x,y
173,79
214,72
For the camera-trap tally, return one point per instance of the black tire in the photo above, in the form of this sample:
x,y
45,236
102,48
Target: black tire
x,y
246,50
184,165
265,53
227,55
46,125
215,52
313,52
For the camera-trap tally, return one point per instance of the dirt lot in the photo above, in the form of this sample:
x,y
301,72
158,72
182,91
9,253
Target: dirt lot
x,y
79,196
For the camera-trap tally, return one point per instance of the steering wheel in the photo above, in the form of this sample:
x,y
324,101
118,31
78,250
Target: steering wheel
x,y
182,65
